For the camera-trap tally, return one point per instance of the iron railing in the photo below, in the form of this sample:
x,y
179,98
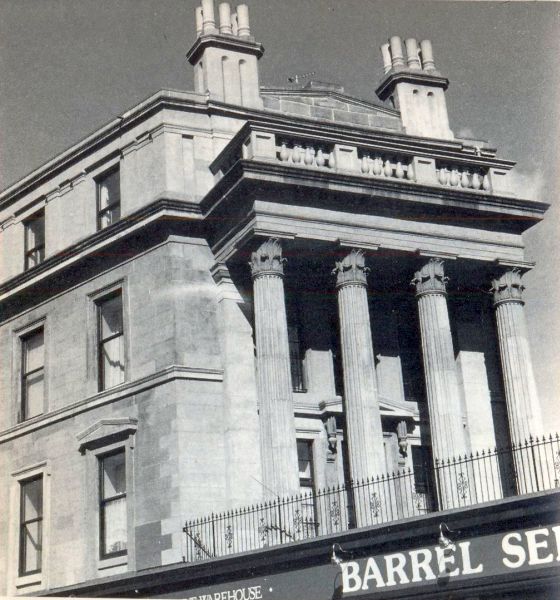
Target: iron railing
x,y
523,468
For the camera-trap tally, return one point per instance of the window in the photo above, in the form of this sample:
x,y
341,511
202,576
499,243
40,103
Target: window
x,y
296,361
108,199
110,341
112,505
307,486
34,240
31,526
305,462
422,469
33,375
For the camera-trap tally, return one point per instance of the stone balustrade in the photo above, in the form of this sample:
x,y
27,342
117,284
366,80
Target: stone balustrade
x,y
309,154
367,160
461,176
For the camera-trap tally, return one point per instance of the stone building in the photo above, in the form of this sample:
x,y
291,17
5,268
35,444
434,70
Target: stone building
x,y
234,296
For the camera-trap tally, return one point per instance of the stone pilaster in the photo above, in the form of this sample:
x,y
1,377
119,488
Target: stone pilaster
x,y
276,412
442,387
363,419
524,413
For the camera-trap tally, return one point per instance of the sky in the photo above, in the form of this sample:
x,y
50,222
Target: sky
x,y
69,66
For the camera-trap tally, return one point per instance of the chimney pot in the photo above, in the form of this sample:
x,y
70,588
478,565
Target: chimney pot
x,y
385,52
396,51
243,29
225,18
427,56
198,19
412,58
208,20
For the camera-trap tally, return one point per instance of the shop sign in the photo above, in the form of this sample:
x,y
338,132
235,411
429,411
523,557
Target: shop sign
x,y
434,566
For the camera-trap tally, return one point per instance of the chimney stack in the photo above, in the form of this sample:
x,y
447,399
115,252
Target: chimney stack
x,y
415,88
225,55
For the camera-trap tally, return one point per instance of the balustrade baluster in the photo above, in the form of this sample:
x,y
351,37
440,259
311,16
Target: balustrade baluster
x,y
309,155
486,183
377,165
388,168
476,180
365,163
332,162
410,175
320,158
399,171
454,180
465,182
296,153
284,153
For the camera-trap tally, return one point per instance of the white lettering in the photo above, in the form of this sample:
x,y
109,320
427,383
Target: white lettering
x,y
514,550
556,531
351,581
372,572
394,564
466,559
423,564
533,547
445,556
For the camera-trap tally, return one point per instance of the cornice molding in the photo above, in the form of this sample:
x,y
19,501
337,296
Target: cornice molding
x,y
126,226
112,395
226,42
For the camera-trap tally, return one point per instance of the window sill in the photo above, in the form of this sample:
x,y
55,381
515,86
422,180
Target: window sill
x,y
113,561
24,581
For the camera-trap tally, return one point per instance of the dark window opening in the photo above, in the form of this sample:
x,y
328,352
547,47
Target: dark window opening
x,y
31,526
112,505
34,240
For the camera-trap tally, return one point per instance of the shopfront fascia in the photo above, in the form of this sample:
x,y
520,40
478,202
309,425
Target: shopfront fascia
x,y
503,548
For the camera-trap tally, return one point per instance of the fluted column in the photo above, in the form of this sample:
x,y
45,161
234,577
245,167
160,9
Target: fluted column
x,y
276,413
442,386
524,412
363,418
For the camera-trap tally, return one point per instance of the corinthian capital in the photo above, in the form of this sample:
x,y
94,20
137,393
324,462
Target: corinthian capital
x,y
351,269
267,259
430,278
508,287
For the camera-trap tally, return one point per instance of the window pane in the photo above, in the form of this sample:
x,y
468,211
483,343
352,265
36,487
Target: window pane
x,y
112,356
33,347
114,475
32,499
111,316
34,393
32,547
109,190
114,519
304,460
35,229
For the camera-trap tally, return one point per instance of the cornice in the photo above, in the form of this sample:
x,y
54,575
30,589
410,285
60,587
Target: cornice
x,y
126,226
409,75
226,42
268,173
111,395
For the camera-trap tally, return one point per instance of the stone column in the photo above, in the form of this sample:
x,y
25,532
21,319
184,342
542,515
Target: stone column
x,y
524,414
442,386
363,418
276,412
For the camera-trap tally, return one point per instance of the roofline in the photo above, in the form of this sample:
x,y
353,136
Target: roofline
x,y
269,90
